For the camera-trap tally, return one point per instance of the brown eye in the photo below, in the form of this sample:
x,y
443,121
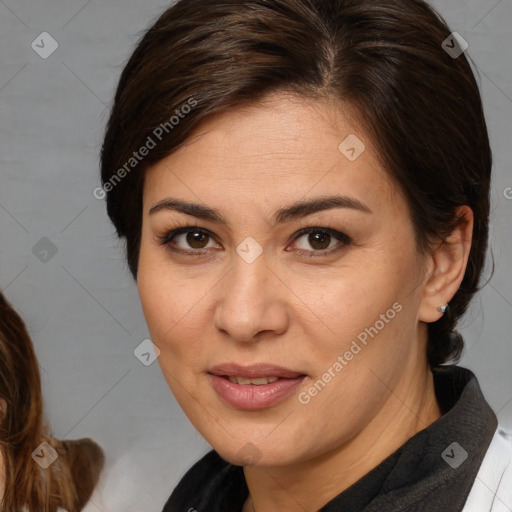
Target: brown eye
x,y
197,239
188,239
321,241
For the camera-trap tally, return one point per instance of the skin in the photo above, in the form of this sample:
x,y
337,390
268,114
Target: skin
x,y
291,307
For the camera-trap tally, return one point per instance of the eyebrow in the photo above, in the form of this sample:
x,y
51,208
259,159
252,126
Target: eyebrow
x,y
297,210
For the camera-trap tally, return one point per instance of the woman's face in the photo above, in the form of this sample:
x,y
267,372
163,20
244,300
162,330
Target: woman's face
x,y
333,313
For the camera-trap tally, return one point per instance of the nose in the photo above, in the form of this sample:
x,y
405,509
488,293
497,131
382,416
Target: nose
x,y
251,303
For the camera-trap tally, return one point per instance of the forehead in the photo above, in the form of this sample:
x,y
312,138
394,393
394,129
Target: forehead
x,y
281,126
282,148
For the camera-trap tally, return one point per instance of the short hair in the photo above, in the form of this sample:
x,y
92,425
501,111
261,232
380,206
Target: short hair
x,y
419,102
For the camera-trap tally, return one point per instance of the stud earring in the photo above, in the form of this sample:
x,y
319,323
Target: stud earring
x,y
442,309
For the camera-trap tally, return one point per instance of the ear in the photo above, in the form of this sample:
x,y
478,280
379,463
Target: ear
x,y
446,267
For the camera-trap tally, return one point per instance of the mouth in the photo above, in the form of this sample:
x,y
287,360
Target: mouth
x,y
254,387
254,372
260,381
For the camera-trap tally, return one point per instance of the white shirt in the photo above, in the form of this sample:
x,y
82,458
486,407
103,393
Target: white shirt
x,y
492,489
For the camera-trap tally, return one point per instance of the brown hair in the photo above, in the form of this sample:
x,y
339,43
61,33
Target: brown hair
x,y
421,107
22,429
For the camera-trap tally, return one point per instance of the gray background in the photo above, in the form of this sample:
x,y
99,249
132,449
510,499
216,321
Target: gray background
x,y
81,305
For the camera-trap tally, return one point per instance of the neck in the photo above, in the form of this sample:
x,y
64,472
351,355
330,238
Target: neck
x,y
410,407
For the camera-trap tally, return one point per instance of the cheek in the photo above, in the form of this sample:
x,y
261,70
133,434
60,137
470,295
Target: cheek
x,y
345,300
173,307
159,296
368,301
169,316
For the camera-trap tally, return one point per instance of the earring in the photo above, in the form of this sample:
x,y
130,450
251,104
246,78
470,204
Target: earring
x,y
442,309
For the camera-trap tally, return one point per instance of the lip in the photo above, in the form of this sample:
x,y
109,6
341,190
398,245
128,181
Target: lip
x,y
253,371
254,397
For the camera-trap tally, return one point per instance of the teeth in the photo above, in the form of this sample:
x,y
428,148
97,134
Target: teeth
x,y
257,382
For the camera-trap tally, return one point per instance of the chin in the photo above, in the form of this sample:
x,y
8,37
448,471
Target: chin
x,y
247,452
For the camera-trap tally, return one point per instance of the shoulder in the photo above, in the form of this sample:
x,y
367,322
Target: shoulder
x,y
204,484
492,489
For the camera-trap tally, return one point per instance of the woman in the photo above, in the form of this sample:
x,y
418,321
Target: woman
x,y
37,472
303,186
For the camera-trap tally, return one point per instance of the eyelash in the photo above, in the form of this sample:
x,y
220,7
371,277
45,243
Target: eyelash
x,y
166,239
